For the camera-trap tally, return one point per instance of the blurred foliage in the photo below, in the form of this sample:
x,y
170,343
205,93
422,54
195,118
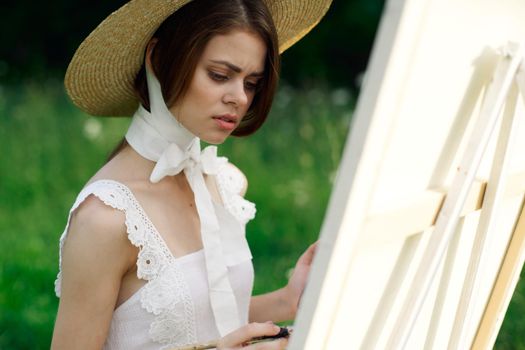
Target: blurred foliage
x,y
337,50
40,37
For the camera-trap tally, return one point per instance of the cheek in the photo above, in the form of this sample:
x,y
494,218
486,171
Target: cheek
x,y
203,89
250,102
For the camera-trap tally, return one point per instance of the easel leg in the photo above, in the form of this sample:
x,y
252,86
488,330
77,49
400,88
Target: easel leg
x,y
486,226
503,287
454,202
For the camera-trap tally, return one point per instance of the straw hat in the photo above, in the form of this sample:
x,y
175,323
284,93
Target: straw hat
x,y
100,77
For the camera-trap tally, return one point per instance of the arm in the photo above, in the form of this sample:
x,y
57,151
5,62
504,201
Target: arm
x,y
274,306
282,304
95,257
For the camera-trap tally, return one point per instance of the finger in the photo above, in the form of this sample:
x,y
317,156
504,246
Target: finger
x,y
309,254
248,332
312,249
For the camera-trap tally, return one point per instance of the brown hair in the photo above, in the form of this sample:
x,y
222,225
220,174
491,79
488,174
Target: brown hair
x,y
183,36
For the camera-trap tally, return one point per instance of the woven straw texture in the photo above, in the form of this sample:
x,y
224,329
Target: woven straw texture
x,y
99,79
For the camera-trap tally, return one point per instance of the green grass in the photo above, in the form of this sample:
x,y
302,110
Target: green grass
x,y
49,149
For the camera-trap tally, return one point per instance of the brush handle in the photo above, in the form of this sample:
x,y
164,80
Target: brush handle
x,y
283,332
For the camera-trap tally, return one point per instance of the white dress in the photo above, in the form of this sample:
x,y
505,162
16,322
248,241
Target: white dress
x,y
173,308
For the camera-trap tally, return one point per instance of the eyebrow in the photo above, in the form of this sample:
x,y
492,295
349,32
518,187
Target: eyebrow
x,y
236,69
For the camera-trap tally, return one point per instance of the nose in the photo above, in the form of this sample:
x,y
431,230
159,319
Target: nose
x,y
236,95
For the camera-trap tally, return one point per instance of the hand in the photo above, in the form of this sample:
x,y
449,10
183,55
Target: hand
x,y
295,287
236,339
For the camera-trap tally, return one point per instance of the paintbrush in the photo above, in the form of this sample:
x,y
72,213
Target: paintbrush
x,y
283,333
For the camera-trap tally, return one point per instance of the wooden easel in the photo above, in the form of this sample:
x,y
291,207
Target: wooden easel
x,y
510,69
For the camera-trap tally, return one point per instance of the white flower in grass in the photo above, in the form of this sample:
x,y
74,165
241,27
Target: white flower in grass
x,y
340,97
301,199
92,128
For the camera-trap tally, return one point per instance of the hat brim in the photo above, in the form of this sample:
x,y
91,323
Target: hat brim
x,y
99,79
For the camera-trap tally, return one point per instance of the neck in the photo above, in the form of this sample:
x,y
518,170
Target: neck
x,y
150,133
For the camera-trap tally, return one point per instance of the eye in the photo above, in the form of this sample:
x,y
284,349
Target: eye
x,y
252,86
217,77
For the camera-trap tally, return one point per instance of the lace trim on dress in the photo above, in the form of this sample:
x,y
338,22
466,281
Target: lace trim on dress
x,y
166,293
230,183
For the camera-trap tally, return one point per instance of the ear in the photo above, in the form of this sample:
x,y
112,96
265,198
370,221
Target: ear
x,y
149,51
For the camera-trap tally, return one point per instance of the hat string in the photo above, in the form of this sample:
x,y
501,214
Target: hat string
x,y
159,137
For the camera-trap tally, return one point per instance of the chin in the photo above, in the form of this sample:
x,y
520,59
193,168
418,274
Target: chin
x,y
215,140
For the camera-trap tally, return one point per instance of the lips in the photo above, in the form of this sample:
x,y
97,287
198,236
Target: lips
x,y
229,118
226,121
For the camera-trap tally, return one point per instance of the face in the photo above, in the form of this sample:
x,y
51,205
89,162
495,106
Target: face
x,y
223,86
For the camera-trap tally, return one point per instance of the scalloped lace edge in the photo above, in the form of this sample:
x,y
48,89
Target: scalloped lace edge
x,y
153,260
229,185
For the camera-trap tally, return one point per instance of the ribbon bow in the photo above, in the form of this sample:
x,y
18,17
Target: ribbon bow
x,y
173,160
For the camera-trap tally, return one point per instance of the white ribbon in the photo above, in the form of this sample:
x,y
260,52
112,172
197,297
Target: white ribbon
x,y
159,137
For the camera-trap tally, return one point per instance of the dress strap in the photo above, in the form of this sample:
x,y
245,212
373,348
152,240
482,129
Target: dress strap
x,y
166,294
153,255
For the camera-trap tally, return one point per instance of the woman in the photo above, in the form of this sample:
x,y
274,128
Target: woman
x,y
154,254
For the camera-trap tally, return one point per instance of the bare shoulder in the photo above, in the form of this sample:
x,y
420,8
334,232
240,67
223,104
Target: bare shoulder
x,y
97,217
95,257
97,247
98,229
